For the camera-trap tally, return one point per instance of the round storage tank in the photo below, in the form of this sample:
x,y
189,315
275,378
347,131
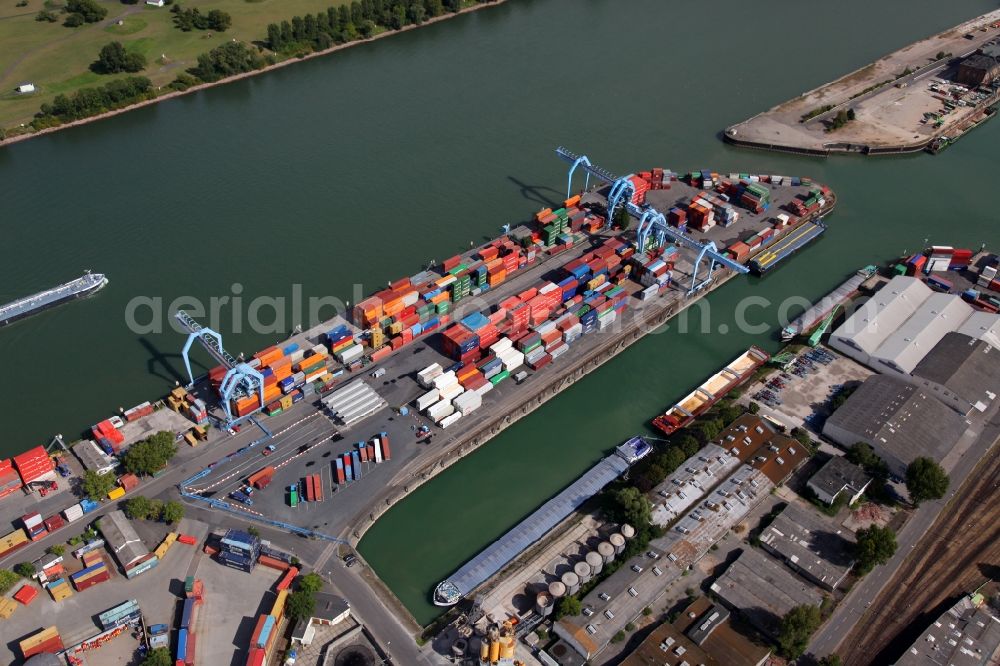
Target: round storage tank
x,y
595,561
582,571
606,551
543,604
459,647
618,543
571,581
557,589
628,531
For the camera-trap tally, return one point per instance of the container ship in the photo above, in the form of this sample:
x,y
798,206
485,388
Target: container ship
x,y
806,233
715,387
814,315
85,285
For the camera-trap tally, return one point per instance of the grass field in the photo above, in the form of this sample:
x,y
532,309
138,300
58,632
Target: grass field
x,y
56,59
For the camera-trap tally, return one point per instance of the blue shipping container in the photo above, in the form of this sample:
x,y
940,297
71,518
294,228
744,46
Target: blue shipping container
x,y
182,642
290,349
356,465
186,613
265,631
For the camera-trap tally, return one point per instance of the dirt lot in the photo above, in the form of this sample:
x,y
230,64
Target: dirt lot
x,y
957,554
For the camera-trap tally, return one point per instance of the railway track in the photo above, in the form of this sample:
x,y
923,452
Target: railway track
x,y
944,564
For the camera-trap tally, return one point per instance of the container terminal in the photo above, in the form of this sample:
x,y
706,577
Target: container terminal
x,y
922,97
85,285
494,332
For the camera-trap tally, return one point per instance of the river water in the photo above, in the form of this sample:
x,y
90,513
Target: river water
x,y
361,167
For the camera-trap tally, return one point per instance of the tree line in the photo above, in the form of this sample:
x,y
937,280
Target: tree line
x,y
192,19
359,20
88,102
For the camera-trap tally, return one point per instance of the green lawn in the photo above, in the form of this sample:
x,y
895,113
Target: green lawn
x,y
56,58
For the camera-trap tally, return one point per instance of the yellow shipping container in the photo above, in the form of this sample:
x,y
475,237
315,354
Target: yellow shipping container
x,y
116,493
7,608
190,439
278,610
60,592
286,401
45,634
12,540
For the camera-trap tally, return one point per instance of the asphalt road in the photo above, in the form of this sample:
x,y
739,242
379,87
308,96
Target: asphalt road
x,y
981,435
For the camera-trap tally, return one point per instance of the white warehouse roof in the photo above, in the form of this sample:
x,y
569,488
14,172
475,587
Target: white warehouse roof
x,y
937,316
881,315
982,326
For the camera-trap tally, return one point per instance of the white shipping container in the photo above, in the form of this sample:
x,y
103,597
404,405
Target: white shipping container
x,y
426,376
439,410
484,389
501,345
445,379
468,401
452,391
319,349
297,355
411,298
33,520
350,354
428,399
448,420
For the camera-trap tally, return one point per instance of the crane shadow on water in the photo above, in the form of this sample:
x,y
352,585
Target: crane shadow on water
x,y
162,365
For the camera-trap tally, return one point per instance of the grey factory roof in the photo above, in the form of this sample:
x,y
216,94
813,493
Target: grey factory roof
x,y
938,315
899,420
967,367
980,61
965,635
982,326
810,543
122,538
498,554
627,591
92,457
839,474
682,489
763,590
882,314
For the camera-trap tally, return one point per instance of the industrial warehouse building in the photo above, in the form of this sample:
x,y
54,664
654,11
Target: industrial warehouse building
x,y
763,590
967,634
898,419
980,68
93,458
122,539
902,322
838,476
813,545
962,372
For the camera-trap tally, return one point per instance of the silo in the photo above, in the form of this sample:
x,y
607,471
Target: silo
x,y
571,581
582,571
459,647
628,531
595,561
543,604
557,589
617,542
484,650
606,551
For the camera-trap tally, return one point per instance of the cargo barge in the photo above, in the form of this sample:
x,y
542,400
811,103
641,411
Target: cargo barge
x,y
808,320
89,283
501,552
770,258
714,389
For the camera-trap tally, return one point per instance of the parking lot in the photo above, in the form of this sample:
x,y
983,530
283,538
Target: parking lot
x,y
800,397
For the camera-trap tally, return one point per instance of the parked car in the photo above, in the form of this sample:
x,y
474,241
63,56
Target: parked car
x,y
269,449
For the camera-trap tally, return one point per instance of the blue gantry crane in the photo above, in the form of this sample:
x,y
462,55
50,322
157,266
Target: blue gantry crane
x,y
240,381
652,223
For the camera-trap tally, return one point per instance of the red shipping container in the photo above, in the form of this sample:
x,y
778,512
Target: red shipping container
x,y
318,487
53,645
26,594
289,577
370,449
273,563
189,655
187,539
256,657
363,454
386,454
52,523
92,581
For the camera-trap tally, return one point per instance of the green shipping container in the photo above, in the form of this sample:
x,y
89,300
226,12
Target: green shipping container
x,y
499,377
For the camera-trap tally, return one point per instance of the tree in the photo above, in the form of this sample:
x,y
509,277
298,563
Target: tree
x,y
622,218
311,583
151,454
219,21
9,578
618,637
796,628
173,512
568,605
113,59
56,549
155,509
253,531
97,486
830,660
925,480
226,60
158,657
875,545
47,16
74,21
632,507
138,508
88,10
753,407
300,604
689,445
864,456
24,569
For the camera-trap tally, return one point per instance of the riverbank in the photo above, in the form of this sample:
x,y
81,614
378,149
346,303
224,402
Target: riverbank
x,y
268,68
885,107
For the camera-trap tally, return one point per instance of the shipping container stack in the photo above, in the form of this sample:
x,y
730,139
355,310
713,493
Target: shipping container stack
x,y
34,465
13,541
138,412
265,634
239,550
806,204
34,526
349,466
10,480
108,437
189,618
59,589
95,571
286,371
46,640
